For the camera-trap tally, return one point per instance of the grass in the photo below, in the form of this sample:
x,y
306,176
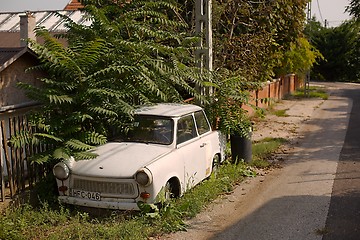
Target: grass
x,y
281,113
53,221
264,149
321,231
313,92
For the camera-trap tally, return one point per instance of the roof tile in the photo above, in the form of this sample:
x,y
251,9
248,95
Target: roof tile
x,y
73,5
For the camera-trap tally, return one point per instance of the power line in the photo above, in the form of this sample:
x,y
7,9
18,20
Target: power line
x,y
319,11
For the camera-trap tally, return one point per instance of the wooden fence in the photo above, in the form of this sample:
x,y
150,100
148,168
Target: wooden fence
x,y
17,174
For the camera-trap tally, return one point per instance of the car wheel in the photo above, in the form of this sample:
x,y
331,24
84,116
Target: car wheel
x,y
215,165
167,195
168,192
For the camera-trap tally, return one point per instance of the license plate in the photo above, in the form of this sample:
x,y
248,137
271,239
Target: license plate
x,y
95,196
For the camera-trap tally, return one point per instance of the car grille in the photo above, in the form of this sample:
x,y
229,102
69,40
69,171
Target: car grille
x,y
107,187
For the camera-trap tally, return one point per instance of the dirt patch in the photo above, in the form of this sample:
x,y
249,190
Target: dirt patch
x,y
297,112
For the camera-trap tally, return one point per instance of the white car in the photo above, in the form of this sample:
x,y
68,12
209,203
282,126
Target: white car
x,y
170,146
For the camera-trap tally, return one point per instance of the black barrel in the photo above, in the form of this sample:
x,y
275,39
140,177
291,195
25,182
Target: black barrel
x,y
241,148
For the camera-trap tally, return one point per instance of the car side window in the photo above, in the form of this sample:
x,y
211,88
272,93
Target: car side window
x,y
202,123
185,129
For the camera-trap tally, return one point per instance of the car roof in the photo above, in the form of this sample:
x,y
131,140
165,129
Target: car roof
x,y
167,109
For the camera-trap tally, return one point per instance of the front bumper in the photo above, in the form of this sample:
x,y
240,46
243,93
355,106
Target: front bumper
x,y
106,204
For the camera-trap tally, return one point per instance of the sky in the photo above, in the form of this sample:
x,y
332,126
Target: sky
x,y
330,10
32,5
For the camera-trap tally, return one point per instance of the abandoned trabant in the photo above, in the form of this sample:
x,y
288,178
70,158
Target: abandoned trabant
x,y
169,148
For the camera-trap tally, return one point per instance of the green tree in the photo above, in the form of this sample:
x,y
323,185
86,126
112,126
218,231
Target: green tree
x,y
134,52
252,36
340,48
299,58
354,9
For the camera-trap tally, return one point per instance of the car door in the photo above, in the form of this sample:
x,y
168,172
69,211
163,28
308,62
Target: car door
x,y
204,131
191,150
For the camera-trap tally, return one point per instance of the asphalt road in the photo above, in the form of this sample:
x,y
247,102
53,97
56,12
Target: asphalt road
x,y
317,193
343,220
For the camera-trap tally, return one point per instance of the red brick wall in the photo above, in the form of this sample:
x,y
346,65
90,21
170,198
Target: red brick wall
x,y
274,91
262,96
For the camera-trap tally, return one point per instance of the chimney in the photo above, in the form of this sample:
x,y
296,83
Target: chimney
x,y
27,27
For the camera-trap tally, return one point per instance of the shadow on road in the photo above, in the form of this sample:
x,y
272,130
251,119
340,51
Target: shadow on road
x,y
324,199
275,220
343,219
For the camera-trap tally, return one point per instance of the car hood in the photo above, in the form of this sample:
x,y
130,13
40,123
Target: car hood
x,y
119,160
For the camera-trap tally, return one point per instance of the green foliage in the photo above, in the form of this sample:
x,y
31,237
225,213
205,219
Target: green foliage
x,y
134,52
354,9
227,110
46,223
299,58
340,48
250,36
46,192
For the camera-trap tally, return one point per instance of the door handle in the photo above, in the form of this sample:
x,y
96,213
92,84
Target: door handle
x,y
203,145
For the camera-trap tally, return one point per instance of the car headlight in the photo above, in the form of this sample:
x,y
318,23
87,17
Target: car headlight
x,y
144,177
61,171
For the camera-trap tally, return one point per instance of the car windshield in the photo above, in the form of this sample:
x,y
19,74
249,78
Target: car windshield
x,y
151,129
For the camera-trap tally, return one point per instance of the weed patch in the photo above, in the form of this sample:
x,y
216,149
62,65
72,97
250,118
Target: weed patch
x,y
312,92
263,149
281,113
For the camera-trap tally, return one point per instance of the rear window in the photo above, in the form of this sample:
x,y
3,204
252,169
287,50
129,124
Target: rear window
x,y
202,123
185,129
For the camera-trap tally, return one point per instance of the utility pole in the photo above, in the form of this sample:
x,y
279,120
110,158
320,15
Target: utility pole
x,y
307,78
203,28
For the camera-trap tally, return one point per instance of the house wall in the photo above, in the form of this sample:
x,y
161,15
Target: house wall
x,y
9,39
10,94
12,39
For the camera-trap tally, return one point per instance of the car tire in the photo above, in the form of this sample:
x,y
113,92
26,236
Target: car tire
x,y
168,192
215,165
